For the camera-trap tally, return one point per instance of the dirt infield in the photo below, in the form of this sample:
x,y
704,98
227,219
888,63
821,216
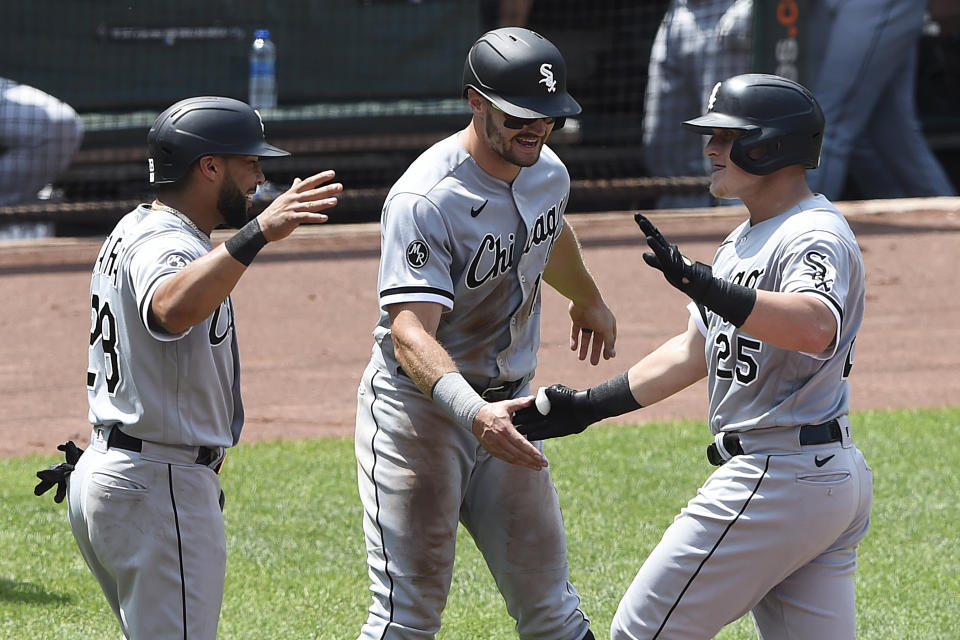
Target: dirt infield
x,y
306,309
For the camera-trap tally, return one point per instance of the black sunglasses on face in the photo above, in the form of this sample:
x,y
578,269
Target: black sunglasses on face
x,y
511,122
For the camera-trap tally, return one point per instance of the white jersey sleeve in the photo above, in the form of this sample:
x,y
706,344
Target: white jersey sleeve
x,y
151,263
810,250
810,266
174,389
415,254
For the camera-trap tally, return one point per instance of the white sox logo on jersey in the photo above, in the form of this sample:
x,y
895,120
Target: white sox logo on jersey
x,y
493,259
821,271
546,70
417,253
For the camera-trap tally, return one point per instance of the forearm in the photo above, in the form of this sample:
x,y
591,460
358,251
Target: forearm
x,y
793,321
672,367
194,293
422,358
429,365
567,273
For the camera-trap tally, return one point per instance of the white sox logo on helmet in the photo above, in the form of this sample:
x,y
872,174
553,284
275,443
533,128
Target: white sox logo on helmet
x,y
713,96
546,70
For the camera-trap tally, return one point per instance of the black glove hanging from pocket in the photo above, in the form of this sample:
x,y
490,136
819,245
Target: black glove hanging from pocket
x,y
57,474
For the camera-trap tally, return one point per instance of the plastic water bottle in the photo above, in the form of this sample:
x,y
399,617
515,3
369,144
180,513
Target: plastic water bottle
x,y
263,71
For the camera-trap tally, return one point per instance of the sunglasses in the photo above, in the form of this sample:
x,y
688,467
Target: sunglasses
x,y
511,122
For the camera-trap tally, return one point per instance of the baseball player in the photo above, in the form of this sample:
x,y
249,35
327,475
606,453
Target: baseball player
x,y
164,376
469,234
39,135
775,528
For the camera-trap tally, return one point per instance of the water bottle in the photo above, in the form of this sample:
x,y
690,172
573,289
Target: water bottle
x,y
263,71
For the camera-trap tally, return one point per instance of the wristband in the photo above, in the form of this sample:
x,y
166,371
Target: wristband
x,y
246,243
612,398
732,302
452,392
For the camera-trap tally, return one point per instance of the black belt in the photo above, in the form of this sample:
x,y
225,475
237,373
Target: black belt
x,y
120,440
824,433
496,393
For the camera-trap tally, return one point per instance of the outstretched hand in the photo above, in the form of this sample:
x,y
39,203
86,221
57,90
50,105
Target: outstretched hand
x,y
693,278
57,474
301,203
496,433
732,302
569,412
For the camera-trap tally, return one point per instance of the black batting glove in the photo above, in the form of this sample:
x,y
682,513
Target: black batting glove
x,y
70,451
570,412
57,474
693,278
730,301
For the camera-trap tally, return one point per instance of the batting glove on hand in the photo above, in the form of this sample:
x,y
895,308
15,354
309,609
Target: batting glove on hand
x,y
693,278
57,474
570,412
730,301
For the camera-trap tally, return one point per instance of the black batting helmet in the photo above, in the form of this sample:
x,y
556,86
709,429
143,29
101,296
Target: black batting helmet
x,y
522,73
203,126
781,121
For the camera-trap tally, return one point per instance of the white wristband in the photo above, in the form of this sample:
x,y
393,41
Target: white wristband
x,y
452,392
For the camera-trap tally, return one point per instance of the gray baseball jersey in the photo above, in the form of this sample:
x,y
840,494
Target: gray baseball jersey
x,y
454,235
809,249
451,234
146,516
774,531
174,389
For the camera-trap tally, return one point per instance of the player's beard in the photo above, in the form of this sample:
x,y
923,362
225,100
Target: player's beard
x,y
232,204
500,145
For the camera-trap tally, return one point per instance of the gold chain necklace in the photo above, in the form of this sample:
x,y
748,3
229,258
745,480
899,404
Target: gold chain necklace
x,y
159,206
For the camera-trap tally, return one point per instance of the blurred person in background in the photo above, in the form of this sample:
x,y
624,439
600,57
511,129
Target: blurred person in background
x,y
39,135
862,68
699,42
504,13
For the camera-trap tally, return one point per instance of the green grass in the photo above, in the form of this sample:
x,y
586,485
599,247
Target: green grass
x,y
296,552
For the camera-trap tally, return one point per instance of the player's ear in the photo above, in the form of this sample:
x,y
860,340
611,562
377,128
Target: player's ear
x,y
209,167
475,100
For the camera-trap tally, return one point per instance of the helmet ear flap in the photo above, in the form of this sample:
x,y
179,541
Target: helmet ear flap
x,y
761,151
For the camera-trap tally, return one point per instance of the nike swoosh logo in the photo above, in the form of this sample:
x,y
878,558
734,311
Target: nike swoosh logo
x,y
817,461
475,212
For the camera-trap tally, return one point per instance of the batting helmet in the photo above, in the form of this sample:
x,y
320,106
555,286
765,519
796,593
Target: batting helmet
x,y
203,126
520,72
781,121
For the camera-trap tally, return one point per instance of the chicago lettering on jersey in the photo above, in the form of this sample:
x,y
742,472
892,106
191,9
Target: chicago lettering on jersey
x,y
493,259
502,259
544,228
222,323
750,280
